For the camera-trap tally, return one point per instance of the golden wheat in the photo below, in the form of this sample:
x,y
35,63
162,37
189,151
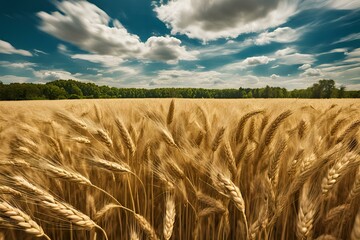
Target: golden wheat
x,y
205,169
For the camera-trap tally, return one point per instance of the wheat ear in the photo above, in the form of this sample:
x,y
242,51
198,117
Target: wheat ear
x,y
269,135
230,158
217,139
306,214
234,194
125,135
170,115
17,218
241,124
169,219
355,232
145,225
9,190
336,172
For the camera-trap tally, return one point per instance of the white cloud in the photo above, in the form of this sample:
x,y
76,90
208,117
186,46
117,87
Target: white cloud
x,y
183,78
331,4
51,75
88,27
285,51
167,49
353,54
7,48
281,35
290,56
344,4
274,76
351,37
26,65
210,20
249,62
311,72
13,79
106,60
305,66
37,52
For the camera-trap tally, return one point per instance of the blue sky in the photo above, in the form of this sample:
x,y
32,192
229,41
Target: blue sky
x,y
182,43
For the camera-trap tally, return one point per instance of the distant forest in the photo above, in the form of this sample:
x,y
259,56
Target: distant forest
x,y
71,89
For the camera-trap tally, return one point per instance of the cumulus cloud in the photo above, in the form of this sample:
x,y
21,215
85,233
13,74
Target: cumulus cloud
x,y
167,49
311,72
50,75
305,66
88,27
7,48
281,35
210,20
290,56
249,62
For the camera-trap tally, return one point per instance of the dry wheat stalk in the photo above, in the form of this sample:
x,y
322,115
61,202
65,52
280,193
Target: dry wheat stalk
x,y
217,139
104,136
48,201
241,125
81,139
167,137
170,116
301,129
353,126
306,214
269,134
74,122
215,204
355,190
336,127
146,226
355,232
232,191
65,174
274,164
20,219
125,135
9,190
134,235
120,167
169,219
229,156
336,172
336,212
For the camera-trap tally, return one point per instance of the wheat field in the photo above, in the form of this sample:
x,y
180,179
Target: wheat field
x,y
180,169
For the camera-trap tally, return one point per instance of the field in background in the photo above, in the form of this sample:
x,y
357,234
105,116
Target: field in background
x,y
180,169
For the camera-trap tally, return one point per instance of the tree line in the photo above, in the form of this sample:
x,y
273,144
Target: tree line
x,y
72,89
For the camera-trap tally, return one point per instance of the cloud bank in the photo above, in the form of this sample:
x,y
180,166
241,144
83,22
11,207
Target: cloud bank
x,y
209,20
88,27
